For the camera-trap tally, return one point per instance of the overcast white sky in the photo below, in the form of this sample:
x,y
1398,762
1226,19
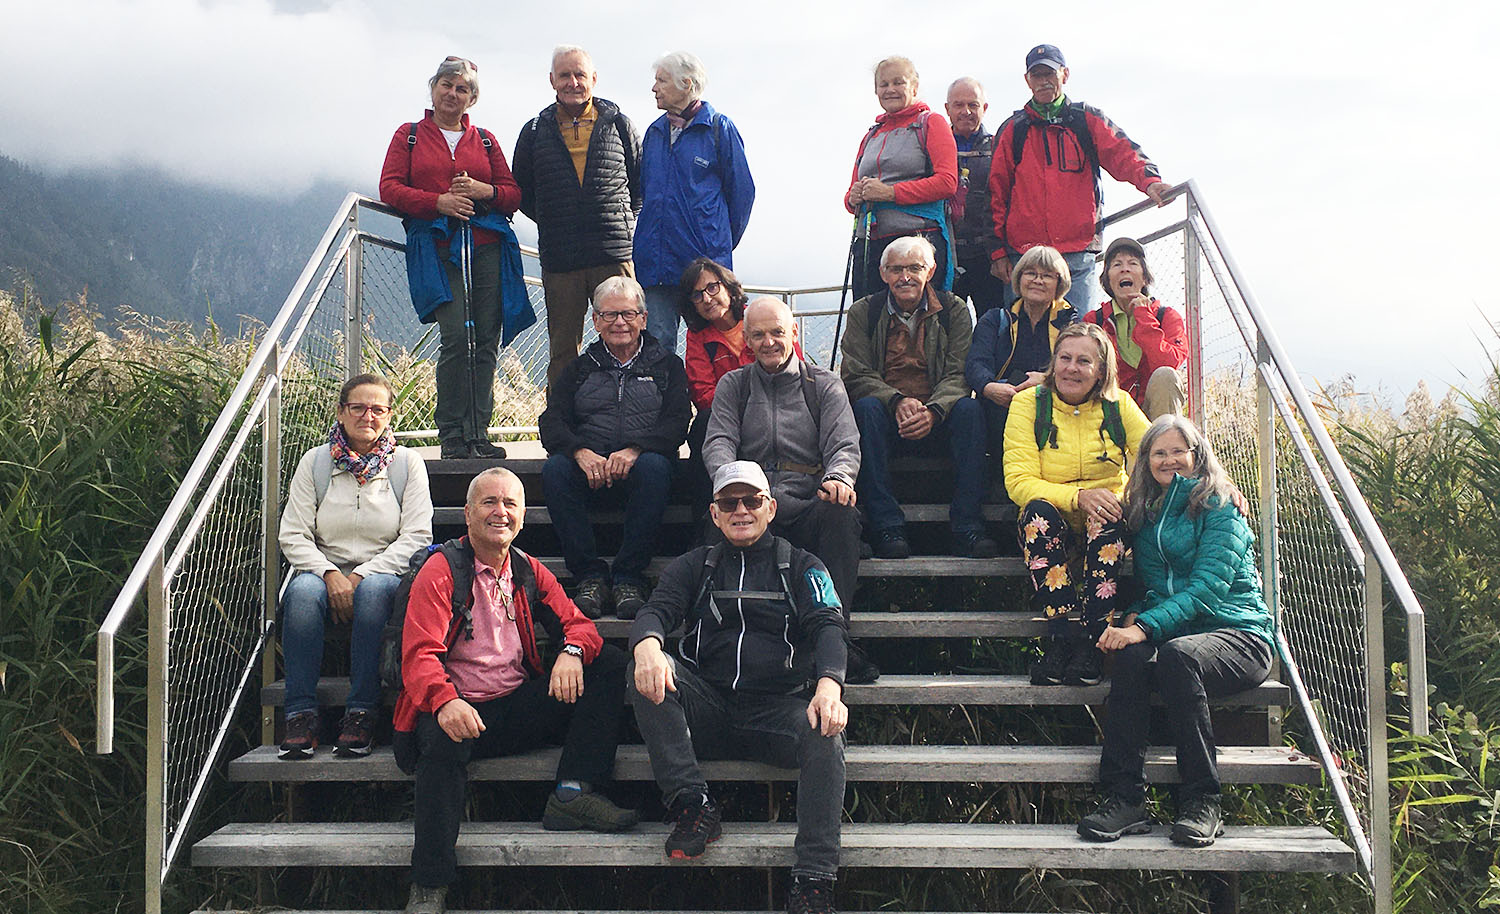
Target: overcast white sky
x,y
1346,149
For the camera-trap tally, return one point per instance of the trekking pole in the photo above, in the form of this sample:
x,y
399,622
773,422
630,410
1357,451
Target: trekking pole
x,y
838,326
466,265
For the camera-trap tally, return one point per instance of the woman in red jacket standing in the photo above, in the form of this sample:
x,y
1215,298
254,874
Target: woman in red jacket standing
x,y
904,174
443,174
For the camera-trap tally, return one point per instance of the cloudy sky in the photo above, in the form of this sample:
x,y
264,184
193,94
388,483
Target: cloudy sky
x,y
1346,149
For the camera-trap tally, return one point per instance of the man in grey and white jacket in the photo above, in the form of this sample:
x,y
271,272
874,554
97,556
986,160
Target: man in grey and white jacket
x,y
794,420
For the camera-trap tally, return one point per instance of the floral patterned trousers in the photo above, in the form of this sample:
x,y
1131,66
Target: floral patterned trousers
x,y
1073,608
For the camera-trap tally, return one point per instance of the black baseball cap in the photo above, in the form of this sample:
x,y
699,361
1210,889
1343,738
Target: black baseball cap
x,y
1046,54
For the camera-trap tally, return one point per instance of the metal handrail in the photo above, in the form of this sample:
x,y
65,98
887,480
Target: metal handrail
x,y
1354,501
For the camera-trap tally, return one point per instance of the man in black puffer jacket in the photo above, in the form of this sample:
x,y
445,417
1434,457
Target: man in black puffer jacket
x,y
615,419
579,166
759,674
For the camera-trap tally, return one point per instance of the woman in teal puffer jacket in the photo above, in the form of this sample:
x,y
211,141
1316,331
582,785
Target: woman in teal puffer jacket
x,y
1201,631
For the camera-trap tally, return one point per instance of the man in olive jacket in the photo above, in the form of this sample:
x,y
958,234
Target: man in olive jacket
x,y
903,366
578,163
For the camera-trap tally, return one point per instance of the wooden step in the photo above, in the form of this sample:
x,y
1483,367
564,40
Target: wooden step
x,y
541,516
935,689
918,566
924,845
887,625
925,764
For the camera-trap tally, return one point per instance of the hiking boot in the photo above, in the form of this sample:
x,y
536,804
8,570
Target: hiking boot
x,y
484,449
891,544
629,598
592,597
1085,667
695,825
1199,822
866,551
587,811
427,900
1055,657
974,544
455,449
810,895
1115,817
356,734
861,670
301,737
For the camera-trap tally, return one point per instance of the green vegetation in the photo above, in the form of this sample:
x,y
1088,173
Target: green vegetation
x,y
98,429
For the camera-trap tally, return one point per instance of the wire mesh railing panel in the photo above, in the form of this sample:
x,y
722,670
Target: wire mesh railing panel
x,y
214,600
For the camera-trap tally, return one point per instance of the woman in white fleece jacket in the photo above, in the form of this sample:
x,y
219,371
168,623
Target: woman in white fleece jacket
x,y
358,508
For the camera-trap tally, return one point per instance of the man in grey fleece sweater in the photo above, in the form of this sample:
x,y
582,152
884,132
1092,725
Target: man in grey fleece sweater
x,y
794,420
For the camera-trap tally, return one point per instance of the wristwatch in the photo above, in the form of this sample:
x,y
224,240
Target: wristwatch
x,y
573,650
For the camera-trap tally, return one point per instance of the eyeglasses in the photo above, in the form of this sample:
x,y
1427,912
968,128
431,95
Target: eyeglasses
x,y
707,291
728,504
609,317
359,409
451,58
1175,453
1037,274
913,269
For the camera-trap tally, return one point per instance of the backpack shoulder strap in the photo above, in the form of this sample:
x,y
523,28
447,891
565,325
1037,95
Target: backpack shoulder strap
x,y
396,473
1114,425
784,569
522,572
710,562
322,474
1018,138
1046,432
876,306
1075,118
461,565
810,397
411,146
484,136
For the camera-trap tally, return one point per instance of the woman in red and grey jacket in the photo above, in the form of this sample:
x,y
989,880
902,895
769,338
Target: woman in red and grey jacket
x,y
904,175
442,166
1154,353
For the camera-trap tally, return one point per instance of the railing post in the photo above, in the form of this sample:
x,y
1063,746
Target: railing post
x,y
270,500
353,301
1381,871
156,731
1265,450
1192,293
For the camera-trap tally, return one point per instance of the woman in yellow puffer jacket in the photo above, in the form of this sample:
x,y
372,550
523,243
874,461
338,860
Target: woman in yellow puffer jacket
x,y
1065,465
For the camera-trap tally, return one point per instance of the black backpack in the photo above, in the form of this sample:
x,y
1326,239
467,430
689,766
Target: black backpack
x,y
461,563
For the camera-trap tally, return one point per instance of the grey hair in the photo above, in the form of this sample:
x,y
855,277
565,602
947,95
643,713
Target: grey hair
x,y
897,61
1143,491
461,68
686,70
1047,258
910,244
501,472
619,285
968,81
564,50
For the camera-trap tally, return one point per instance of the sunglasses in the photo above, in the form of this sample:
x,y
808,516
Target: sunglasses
x,y
728,504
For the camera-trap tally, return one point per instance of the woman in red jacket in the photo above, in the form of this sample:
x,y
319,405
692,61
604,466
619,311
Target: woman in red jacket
x,y
904,174
442,166
713,307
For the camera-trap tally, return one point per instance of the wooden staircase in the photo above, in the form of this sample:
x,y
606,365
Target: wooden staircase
x,y
1248,727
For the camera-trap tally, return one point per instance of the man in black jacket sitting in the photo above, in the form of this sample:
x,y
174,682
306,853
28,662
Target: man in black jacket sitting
x,y
614,422
759,675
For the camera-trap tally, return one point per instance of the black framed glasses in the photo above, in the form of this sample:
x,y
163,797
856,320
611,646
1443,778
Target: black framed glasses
x,y
728,504
359,409
707,291
609,317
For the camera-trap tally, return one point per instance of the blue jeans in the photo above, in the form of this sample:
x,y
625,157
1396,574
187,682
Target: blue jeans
x,y
1084,294
304,613
644,495
963,432
663,317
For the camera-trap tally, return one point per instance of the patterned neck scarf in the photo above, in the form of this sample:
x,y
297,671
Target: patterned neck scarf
x,y
364,467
